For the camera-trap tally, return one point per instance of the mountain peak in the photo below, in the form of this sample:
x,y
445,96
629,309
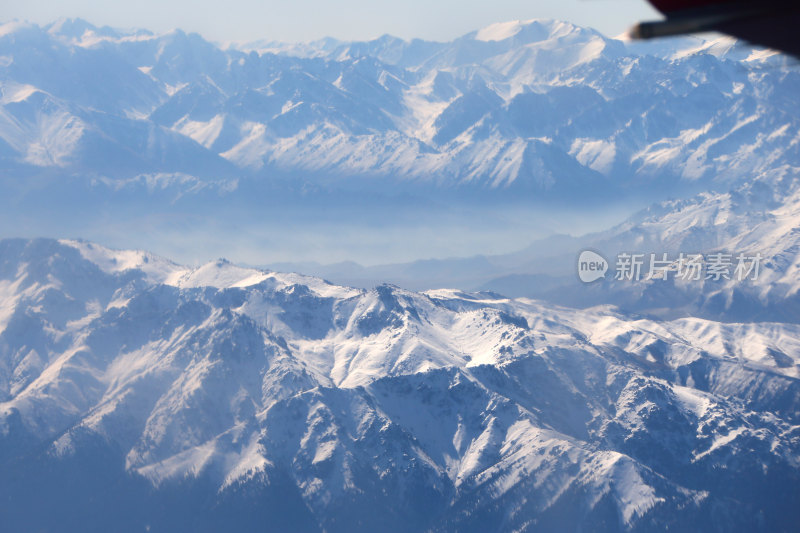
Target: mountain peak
x,y
70,27
500,31
531,30
16,26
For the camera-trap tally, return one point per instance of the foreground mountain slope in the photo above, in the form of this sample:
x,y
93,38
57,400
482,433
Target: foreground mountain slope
x,y
282,401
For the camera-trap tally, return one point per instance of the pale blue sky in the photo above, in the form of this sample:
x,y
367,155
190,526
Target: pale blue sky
x,y
302,20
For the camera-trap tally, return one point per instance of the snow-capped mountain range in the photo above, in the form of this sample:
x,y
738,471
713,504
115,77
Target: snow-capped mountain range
x,y
540,106
137,394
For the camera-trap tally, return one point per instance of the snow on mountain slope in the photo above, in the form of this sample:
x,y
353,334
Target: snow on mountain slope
x,y
220,274
344,406
520,104
756,219
156,269
500,31
41,130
